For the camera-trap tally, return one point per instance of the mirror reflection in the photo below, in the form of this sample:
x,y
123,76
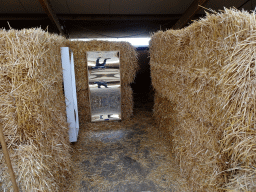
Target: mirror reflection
x,y
104,85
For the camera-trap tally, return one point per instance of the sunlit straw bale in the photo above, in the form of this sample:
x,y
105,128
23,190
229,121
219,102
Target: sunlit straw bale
x,y
128,65
33,110
207,71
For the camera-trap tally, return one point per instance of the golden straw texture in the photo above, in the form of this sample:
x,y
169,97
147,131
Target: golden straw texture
x,y
207,71
33,110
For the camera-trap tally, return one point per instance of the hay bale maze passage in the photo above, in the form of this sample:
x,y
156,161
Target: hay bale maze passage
x,y
128,69
207,72
33,110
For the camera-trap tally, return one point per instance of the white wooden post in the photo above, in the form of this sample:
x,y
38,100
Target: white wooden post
x,y
70,93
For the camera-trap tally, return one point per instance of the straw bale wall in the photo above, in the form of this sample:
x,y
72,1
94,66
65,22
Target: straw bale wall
x,y
33,110
193,145
128,66
164,114
207,71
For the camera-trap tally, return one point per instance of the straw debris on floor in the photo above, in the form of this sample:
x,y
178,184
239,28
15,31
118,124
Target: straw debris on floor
x,y
207,72
122,156
33,110
128,69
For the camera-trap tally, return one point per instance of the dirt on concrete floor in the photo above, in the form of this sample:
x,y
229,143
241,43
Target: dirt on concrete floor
x,y
126,156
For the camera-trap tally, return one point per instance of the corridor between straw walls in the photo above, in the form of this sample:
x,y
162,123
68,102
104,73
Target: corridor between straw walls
x,y
195,133
126,155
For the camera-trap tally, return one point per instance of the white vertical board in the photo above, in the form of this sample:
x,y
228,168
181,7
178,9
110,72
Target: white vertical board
x,y
74,91
70,93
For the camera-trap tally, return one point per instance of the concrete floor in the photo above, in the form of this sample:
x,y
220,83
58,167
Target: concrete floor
x,y
126,156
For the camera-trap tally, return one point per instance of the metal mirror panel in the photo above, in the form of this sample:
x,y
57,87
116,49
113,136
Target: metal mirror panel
x,y
104,85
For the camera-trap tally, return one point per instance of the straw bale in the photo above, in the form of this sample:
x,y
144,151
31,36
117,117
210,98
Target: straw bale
x,y
193,144
128,66
164,115
83,105
208,71
127,102
33,110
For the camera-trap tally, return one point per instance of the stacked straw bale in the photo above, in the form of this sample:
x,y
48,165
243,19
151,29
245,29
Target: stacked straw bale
x,y
207,71
128,66
33,110
164,114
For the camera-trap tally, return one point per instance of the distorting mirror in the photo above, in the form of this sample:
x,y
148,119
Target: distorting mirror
x,y
104,85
